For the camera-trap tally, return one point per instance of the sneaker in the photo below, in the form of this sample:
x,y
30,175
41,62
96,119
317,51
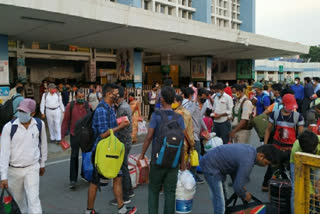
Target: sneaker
x,y
131,194
91,212
127,210
115,203
199,181
72,185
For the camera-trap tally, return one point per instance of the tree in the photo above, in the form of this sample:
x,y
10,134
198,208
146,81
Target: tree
x,y
313,55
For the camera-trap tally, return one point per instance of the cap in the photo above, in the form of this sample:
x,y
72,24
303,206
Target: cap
x,y
52,85
289,102
257,85
27,105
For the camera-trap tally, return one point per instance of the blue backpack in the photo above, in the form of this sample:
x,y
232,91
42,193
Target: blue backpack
x,y
14,128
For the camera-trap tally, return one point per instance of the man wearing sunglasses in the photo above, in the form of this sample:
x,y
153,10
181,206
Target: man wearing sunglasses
x,y
23,154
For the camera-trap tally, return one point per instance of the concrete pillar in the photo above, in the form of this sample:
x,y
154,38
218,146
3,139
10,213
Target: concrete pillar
x,y
203,10
4,60
248,15
134,3
138,67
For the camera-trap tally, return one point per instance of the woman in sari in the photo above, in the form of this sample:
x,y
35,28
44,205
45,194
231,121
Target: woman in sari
x,y
136,116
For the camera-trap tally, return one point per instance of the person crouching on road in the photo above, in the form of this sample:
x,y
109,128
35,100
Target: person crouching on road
x,y
51,107
23,155
75,110
237,160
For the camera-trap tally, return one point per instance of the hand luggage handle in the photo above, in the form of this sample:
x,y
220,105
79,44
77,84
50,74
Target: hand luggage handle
x,y
2,193
235,197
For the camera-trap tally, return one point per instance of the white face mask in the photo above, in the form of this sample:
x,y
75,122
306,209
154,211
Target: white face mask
x,y
312,81
227,84
254,91
296,82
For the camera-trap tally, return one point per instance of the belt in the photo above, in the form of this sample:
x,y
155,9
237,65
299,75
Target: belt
x,y
52,108
19,166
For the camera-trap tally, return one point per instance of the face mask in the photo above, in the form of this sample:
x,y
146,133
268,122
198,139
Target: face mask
x,y
254,91
45,85
203,100
80,100
227,84
91,90
218,94
296,82
54,90
288,111
238,95
174,105
131,99
312,81
74,89
114,99
24,117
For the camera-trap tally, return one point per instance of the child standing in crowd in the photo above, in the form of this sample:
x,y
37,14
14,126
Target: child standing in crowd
x,y
208,120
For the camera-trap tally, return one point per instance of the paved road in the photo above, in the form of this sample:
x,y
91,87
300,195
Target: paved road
x,y
56,197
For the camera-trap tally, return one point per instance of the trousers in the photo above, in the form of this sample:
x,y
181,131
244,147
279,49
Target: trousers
x,y
24,187
223,130
126,180
54,123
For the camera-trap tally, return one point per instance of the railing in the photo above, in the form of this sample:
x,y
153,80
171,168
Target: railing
x,y
307,183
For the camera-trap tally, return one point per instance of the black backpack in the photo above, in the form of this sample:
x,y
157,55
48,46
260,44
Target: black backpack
x,y
6,112
169,142
83,131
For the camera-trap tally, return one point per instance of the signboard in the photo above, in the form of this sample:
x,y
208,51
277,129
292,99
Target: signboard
x,y
198,68
125,64
4,72
244,69
4,94
280,68
22,73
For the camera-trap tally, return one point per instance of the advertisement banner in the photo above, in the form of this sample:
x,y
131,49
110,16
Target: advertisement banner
x,y
4,72
198,68
125,64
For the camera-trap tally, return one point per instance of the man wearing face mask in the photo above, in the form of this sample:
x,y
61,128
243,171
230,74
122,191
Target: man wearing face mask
x,y
51,106
75,110
23,154
286,122
94,97
263,100
316,84
298,92
242,111
204,101
222,107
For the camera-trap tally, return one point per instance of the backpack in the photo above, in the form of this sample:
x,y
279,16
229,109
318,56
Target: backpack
x,y
83,132
169,141
6,112
71,109
14,128
250,122
260,124
109,156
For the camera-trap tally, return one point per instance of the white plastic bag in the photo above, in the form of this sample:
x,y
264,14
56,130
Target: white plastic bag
x,y
187,180
142,128
213,143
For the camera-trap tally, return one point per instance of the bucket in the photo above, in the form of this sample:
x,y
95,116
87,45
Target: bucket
x,y
184,200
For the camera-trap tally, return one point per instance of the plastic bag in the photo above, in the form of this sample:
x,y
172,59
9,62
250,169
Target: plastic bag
x,y
142,128
194,158
186,180
213,143
87,167
7,204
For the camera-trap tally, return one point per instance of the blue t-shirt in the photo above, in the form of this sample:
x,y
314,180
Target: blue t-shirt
x,y
155,124
263,100
298,91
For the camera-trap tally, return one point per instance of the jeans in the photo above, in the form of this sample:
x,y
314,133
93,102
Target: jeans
x,y
197,147
292,183
126,180
223,130
162,177
216,193
74,159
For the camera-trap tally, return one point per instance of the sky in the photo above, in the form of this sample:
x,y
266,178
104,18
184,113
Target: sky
x,y
291,20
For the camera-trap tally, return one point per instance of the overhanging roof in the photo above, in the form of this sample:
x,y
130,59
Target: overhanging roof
x,y
104,24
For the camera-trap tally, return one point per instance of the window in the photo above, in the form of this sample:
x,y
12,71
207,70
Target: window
x,y
146,5
162,9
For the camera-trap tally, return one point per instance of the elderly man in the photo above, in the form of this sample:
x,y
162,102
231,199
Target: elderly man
x,y
51,106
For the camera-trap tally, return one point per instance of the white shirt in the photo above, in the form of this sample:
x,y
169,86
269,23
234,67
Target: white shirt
x,y
51,101
153,97
223,104
24,149
93,100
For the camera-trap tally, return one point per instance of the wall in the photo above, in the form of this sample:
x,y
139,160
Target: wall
x,y
203,10
183,62
248,15
224,70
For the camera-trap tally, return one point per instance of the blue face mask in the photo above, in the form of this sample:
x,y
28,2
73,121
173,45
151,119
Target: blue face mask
x,y
218,94
24,117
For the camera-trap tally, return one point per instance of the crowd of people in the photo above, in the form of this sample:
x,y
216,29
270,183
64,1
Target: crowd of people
x,y
194,113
